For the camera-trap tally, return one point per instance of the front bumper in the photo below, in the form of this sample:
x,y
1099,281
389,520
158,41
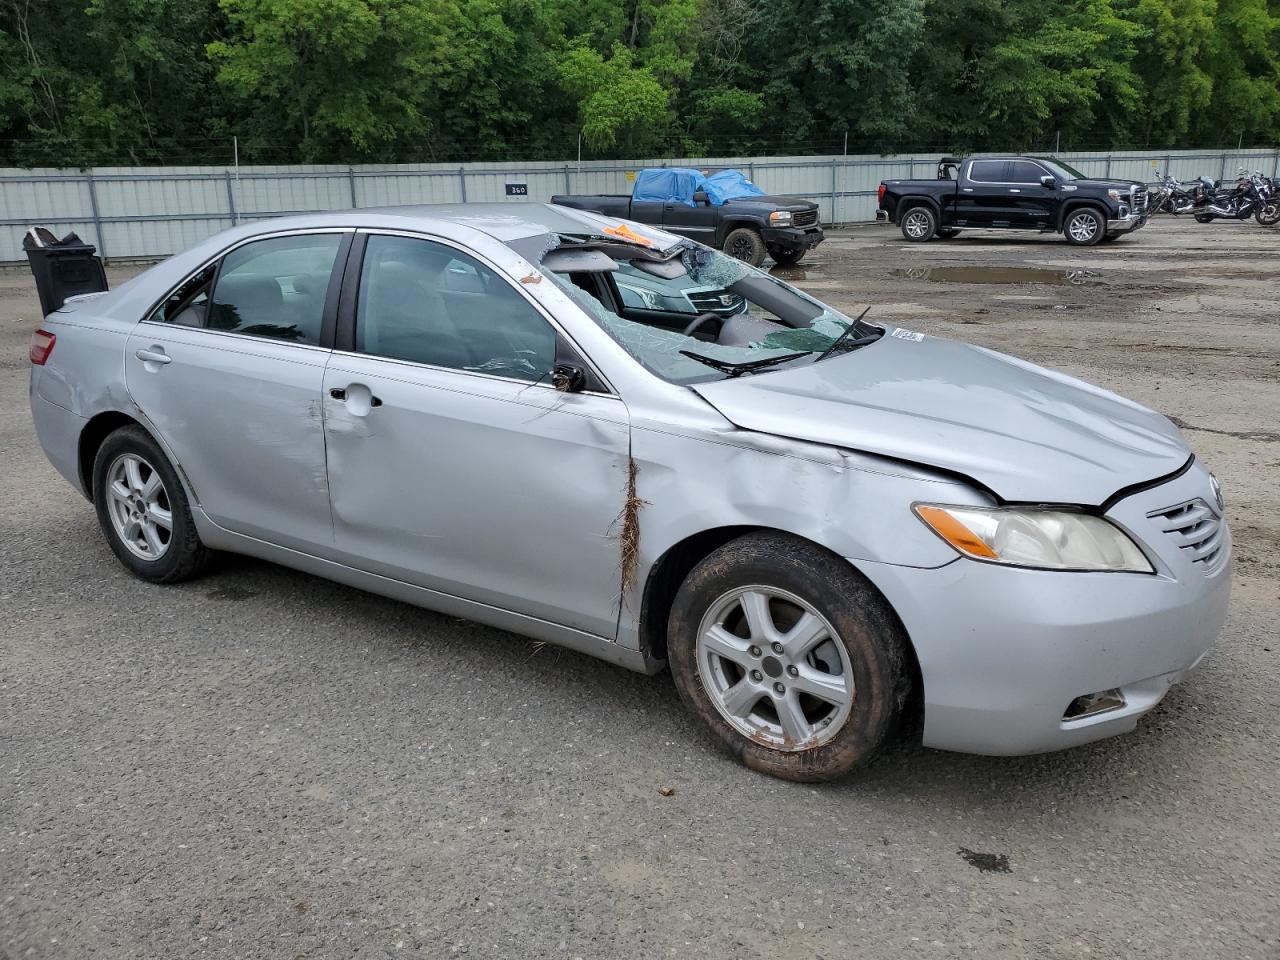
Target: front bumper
x,y
1127,223
1003,651
793,238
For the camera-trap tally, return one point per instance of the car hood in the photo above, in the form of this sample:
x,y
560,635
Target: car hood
x,y
774,203
1105,184
1023,432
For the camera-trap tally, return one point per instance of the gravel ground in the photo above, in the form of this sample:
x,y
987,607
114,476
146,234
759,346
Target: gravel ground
x,y
261,764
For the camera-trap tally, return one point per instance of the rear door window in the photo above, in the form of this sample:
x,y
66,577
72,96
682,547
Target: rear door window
x,y
275,288
988,171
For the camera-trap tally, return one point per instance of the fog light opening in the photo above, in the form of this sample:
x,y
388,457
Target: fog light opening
x,y
1092,704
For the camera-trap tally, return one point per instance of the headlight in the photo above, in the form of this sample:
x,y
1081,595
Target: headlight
x,y
1118,194
1035,537
781,218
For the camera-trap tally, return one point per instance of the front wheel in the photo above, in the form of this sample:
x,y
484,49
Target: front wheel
x,y
1084,227
745,244
788,656
787,256
1269,213
143,509
919,224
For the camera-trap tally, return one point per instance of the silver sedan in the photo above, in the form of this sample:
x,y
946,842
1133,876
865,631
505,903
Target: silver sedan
x,y
600,435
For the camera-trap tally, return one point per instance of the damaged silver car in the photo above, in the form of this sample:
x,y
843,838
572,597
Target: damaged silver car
x,y
601,435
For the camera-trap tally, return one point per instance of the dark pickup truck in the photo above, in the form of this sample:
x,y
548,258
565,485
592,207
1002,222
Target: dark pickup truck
x,y
724,210
1013,193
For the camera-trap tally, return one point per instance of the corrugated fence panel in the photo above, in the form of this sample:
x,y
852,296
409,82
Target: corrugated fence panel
x,y
155,211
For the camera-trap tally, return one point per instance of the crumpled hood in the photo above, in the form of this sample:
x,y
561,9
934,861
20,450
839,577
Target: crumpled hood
x,y
1026,433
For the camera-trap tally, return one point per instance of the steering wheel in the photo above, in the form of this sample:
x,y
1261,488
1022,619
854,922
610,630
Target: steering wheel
x,y
699,320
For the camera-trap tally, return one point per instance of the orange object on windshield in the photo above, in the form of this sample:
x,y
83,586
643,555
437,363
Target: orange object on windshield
x,y
624,232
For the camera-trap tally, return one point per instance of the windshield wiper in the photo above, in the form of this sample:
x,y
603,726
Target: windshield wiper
x,y
731,369
843,341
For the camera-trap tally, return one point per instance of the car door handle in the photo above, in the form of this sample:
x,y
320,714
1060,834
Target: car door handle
x,y
356,395
153,355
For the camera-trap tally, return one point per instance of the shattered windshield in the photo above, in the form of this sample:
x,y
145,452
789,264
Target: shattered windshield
x,y
693,314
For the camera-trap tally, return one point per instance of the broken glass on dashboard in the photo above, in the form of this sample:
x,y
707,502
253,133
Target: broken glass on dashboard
x,y
691,314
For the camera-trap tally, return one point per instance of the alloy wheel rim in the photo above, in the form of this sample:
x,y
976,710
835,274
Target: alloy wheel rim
x,y
774,668
139,507
1084,226
917,224
741,249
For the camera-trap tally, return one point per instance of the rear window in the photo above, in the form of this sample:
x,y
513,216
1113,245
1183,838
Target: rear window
x,y
988,171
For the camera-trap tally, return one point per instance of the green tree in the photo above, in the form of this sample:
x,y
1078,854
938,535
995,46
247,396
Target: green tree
x,y
341,78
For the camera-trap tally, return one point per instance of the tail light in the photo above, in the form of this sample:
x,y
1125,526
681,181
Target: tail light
x,y
42,342
880,194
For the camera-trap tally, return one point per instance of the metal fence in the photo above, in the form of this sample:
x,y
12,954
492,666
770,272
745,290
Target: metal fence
x,y
154,211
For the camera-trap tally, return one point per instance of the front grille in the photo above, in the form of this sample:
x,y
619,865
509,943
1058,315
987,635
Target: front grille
x,y
1194,527
714,301
805,218
1139,200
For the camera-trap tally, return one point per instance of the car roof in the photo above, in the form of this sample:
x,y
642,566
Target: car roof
x,y
505,222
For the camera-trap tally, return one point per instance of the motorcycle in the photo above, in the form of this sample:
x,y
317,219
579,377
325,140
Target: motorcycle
x,y
1168,195
1268,211
1252,195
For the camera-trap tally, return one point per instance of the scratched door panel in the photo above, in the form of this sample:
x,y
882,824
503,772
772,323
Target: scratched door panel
x,y
497,491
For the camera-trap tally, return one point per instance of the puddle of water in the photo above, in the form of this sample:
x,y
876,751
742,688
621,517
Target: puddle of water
x,y
998,275
789,273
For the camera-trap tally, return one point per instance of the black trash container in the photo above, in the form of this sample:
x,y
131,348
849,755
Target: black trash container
x,y
62,268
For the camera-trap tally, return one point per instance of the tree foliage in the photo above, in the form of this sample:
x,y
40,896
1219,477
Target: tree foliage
x,y
135,81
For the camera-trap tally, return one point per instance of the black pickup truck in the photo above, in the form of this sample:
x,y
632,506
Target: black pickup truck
x,y
1013,193
724,210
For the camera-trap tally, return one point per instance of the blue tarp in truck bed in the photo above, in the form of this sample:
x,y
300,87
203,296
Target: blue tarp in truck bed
x,y
679,184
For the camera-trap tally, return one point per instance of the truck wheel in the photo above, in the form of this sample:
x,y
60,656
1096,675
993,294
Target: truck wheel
x,y
789,656
946,233
745,244
919,224
1084,227
788,256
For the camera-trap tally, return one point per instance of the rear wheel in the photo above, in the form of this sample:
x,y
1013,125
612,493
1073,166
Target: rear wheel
x,y
788,656
1204,218
787,256
1084,227
745,244
143,509
919,224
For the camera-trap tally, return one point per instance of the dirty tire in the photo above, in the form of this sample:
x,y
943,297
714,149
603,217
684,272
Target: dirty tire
x,y
873,641
1085,226
787,257
919,224
745,244
948,233
184,555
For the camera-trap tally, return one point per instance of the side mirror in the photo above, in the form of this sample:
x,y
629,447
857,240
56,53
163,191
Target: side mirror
x,y
567,378
1049,182
699,196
